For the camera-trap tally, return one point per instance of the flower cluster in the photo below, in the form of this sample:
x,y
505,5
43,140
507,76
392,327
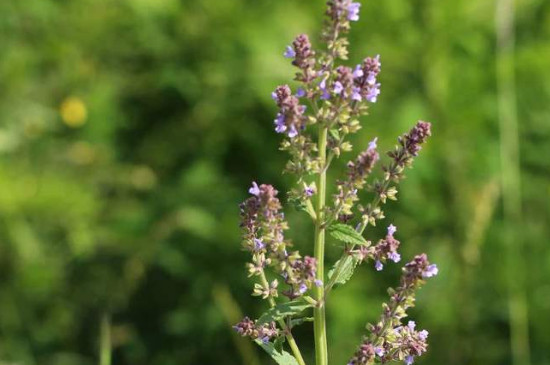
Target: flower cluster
x,y
304,58
401,157
409,145
249,328
389,340
385,249
290,118
366,85
263,227
341,12
357,174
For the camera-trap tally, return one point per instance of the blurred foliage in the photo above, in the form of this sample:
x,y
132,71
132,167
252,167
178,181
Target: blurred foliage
x,y
130,131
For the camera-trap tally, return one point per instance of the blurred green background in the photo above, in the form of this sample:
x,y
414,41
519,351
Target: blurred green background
x,y
130,131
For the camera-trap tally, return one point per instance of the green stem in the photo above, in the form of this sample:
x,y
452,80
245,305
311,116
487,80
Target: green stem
x,y
321,351
359,229
291,341
105,340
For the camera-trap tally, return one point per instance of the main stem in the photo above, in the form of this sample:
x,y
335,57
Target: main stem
x,y
320,331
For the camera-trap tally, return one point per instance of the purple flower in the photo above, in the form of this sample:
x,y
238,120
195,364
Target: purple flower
x,y
258,244
289,52
430,271
409,360
254,190
338,88
394,256
302,289
280,125
356,93
372,146
353,11
323,86
318,283
378,265
379,351
373,93
411,325
292,132
358,72
371,78
423,335
300,92
274,95
309,191
391,230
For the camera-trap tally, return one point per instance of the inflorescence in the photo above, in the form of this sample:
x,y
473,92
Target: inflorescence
x,y
315,120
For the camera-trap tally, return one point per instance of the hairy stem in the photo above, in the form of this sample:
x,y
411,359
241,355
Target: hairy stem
x,y
291,341
321,351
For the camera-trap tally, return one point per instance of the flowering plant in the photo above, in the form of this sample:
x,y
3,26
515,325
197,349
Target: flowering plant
x,y
316,120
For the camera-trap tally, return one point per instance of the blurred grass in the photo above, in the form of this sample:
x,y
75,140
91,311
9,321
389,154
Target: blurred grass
x,y
130,130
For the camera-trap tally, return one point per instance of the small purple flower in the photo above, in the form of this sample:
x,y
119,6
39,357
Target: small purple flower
x,y
258,244
302,289
289,52
373,93
394,256
409,360
431,270
353,11
309,191
411,325
423,335
338,88
318,283
254,190
280,125
391,230
265,339
274,95
292,132
378,265
358,72
371,78
356,94
379,351
300,92
323,86
372,146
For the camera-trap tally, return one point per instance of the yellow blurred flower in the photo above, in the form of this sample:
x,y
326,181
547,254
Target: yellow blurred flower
x,y
73,112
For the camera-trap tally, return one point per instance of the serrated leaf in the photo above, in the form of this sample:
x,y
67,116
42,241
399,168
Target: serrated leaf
x,y
283,310
346,271
348,234
280,357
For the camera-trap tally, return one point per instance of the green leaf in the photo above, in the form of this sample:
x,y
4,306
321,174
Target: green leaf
x,y
346,271
348,234
278,343
299,321
284,310
280,357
